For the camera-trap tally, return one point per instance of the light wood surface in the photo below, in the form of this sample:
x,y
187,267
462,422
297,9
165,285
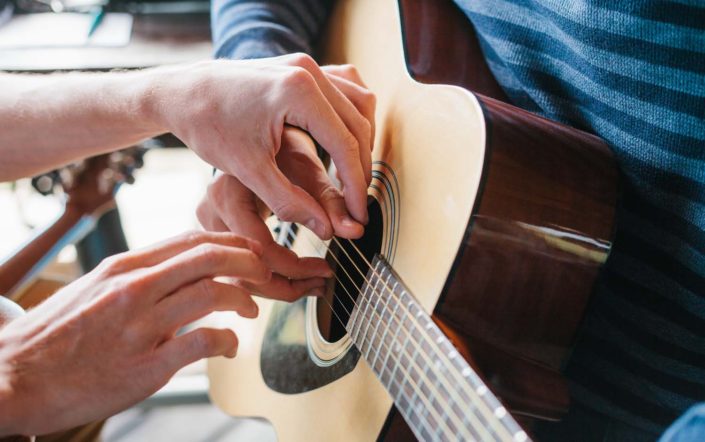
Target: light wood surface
x,y
433,138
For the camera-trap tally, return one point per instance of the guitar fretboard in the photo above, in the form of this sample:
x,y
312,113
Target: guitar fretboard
x,y
440,396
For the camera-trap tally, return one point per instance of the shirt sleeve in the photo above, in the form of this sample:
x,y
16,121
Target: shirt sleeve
x,y
266,28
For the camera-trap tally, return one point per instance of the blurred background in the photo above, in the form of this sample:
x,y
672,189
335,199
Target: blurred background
x,y
163,181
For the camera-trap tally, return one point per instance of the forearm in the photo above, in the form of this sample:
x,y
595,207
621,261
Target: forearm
x,y
50,120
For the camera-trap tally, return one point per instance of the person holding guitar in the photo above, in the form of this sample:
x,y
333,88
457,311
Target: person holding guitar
x,y
633,74
108,340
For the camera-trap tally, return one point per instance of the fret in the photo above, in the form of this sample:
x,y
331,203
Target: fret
x,y
370,318
368,301
385,308
378,322
363,303
392,340
386,297
430,382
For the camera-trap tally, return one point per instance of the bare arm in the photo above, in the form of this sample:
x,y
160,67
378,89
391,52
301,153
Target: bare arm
x,y
50,120
231,113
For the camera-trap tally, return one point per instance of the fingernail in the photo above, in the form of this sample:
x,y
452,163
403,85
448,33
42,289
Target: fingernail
x,y
347,221
254,310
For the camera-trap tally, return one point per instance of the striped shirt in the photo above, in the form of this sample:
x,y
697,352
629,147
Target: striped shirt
x,y
632,72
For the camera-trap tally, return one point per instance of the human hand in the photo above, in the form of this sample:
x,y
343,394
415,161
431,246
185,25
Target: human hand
x,y
234,113
230,206
108,340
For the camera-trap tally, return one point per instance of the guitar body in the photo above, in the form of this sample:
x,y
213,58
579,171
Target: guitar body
x,y
496,220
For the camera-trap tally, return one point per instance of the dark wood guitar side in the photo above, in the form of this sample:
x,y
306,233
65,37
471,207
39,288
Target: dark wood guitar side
x,y
516,297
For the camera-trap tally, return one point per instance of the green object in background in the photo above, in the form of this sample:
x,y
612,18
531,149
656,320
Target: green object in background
x,y
95,22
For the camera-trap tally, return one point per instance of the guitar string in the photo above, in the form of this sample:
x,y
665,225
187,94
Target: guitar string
x,y
438,418
425,422
490,415
448,387
473,395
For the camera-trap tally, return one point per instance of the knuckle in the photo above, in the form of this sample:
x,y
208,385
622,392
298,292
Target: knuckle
x,y
298,78
193,237
329,193
350,145
349,68
284,209
303,60
369,100
114,264
210,254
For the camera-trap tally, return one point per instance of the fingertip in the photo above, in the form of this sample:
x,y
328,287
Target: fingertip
x,y
349,228
231,352
250,310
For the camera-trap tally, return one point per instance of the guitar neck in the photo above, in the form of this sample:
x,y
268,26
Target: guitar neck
x,y
20,267
432,385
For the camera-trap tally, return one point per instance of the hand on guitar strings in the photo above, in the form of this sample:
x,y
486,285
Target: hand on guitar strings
x,y
108,340
230,206
238,115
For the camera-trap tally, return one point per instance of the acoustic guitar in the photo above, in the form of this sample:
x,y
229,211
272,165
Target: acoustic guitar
x,y
451,318
88,187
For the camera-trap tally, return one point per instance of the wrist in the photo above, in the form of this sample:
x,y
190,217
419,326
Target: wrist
x,y
167,92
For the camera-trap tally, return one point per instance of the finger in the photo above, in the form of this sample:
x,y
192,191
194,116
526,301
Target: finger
x,y
360,95
357,95
208,216
289,290
289,201
238,210
299,162
313,113
204,261
158,253
346,71
195,301
356,122
201,343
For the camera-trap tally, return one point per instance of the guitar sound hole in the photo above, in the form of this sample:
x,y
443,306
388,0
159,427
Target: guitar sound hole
x,y
350,270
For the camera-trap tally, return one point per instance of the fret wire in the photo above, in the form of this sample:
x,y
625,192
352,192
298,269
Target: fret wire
x,y
365,316
404,380
377,323
490,402
490,412
437,414
386,326
430,364
492,405
394,380
368,322
368,301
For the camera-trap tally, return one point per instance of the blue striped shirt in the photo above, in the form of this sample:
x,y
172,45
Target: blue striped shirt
x,y
632,72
